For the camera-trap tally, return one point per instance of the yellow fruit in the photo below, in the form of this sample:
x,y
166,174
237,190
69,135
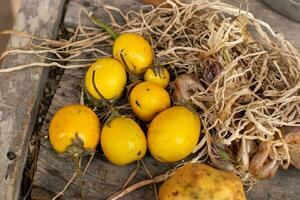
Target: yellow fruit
x,y
110,78
158,75
71,123
173,134
123,141
199,181
148,99
137,52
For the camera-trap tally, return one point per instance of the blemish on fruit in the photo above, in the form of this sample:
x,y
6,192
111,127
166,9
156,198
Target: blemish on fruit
x,y
175,193
138,103
139,153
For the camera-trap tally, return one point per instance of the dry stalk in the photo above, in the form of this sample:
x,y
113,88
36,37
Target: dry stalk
x,y
138,185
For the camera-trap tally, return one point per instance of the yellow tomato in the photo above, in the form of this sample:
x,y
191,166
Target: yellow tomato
x,y
173,134
148,99
157,75
137,52
123,141
109,76
72,123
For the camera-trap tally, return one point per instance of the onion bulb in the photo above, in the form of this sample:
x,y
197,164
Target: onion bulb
x,y
185,85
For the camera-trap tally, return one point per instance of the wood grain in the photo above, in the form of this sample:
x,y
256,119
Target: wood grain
x,y
21,92
96,6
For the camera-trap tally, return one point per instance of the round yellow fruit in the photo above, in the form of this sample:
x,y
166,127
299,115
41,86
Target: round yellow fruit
x,y
148,99
158,75
136,51
123,141
199,181
109,78
173,134
73,124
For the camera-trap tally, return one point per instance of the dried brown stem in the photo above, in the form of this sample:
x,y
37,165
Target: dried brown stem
x,y
138,185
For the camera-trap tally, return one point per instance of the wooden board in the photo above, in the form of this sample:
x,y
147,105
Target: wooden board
x,y
102,178
21,92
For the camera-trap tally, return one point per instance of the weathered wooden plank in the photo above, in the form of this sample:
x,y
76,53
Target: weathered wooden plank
x,y
96,6
102,178
284,186
21,91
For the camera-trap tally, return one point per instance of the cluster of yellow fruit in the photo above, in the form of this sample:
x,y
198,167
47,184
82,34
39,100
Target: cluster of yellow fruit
x,y
172,134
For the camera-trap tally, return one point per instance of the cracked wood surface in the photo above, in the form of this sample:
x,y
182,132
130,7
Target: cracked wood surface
x,y
102,178
21,91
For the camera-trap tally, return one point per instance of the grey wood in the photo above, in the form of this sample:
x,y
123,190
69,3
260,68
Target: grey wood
x,y
96,6
284,186
21,91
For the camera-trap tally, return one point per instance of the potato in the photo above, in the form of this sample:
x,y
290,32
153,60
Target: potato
x,y
199,181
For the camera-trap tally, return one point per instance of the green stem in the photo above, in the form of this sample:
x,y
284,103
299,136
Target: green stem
x,y
105,26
